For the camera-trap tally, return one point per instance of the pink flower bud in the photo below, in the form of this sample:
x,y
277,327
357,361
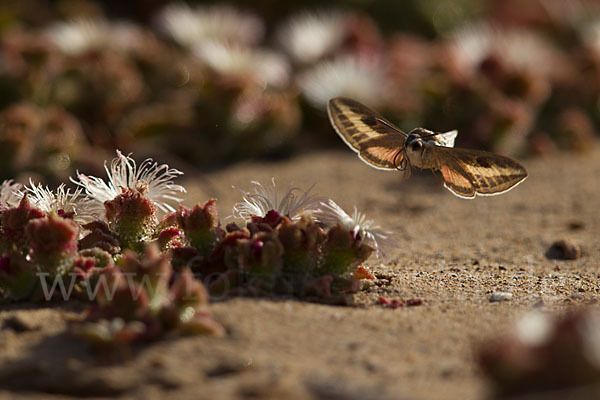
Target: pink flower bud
x,y
169,238
14,220
52,235
200,225
132,217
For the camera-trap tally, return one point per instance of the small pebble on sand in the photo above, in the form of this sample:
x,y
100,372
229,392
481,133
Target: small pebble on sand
x,y
500,296
564,250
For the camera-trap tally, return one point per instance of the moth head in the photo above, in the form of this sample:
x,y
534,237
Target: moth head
x,y
413,143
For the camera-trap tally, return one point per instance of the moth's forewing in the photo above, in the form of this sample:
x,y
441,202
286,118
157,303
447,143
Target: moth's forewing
x,y
472,172
383,152
376,140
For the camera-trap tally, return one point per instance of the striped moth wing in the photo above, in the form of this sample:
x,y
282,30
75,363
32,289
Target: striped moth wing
x,y
466,173
377,142
469,173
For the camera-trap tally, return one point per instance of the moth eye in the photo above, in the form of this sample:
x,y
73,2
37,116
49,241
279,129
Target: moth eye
x,y
416,146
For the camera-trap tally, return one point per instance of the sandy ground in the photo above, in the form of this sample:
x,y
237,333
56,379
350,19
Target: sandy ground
x,y
453,254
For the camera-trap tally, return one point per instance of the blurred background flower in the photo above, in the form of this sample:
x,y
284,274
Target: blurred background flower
x,y
545,356
211,83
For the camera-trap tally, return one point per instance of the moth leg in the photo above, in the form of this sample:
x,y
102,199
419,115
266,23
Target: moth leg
x,y
407,170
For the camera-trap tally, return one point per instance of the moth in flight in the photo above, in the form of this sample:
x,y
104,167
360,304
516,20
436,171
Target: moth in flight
x,y
466,173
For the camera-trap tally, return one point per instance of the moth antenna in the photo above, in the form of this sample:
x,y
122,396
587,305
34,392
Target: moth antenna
x,y
386,123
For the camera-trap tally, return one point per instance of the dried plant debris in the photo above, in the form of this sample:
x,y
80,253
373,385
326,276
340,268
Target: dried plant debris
x,y
397,303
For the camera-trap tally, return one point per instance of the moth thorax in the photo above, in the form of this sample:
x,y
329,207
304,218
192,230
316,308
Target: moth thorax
x,y
418,150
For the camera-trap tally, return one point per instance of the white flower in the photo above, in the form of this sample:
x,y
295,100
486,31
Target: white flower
x,y
590,34
150,179
308,37
574,13
520,48
534,329
79,36
588,329
84,35
9,193
293,203
330,214
190,27
234,61
349,76
83,208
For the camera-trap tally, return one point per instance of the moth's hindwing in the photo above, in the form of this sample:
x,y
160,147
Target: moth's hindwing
x,y
468,173
377,141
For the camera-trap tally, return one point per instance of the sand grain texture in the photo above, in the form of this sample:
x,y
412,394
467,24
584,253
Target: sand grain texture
x,y
453,254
